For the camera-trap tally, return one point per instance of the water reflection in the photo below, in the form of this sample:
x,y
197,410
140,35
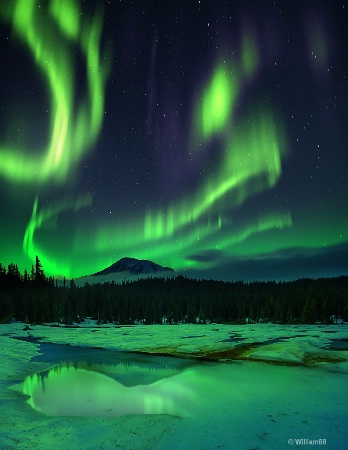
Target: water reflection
x,y
84,389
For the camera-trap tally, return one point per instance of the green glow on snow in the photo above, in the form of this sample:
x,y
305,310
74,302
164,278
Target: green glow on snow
x,y
75,124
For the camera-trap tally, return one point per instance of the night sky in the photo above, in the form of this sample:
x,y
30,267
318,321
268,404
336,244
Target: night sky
x,y
208,136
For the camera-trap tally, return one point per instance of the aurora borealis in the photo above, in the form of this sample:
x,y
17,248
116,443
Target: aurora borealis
x,y
206,136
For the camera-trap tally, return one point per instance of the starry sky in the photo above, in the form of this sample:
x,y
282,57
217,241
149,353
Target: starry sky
x,y
208,136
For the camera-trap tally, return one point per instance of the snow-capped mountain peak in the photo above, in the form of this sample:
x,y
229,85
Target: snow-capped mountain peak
x,y
133,266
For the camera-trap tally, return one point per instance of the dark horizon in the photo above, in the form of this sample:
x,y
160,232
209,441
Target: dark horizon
x,y
245,270
35,298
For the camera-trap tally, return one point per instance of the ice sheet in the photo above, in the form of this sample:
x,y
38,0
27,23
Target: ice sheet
x,y
241,404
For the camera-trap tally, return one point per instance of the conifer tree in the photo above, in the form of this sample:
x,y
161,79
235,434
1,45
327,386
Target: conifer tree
x,y
39,273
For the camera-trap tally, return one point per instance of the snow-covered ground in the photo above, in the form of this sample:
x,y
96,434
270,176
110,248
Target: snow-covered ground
x,y
267,384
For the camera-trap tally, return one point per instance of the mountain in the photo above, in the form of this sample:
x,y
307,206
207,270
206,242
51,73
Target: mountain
x,y
133,266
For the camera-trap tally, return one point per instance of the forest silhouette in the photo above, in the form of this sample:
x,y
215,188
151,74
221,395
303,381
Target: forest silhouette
x,y
34,298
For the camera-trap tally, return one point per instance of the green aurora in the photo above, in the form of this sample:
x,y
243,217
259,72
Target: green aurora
x,y
74,128
250,149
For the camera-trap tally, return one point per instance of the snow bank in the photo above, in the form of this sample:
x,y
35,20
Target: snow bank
x,y
236,405
21,427
269,342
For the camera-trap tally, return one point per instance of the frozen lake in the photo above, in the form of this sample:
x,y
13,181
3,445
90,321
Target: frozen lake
x,y
290,386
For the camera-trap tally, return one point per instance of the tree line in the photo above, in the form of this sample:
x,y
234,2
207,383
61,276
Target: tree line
x,y
34,298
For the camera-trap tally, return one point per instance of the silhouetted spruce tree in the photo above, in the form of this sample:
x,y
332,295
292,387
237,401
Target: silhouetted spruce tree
x,y
26,278
39,273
